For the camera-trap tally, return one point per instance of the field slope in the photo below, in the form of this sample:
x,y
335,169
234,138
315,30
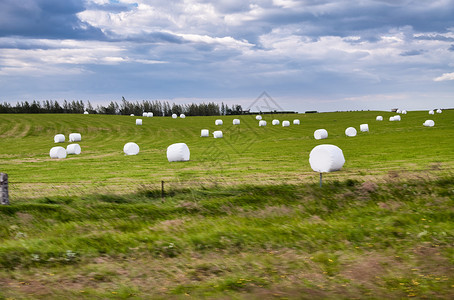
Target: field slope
x,y
244,219
247,153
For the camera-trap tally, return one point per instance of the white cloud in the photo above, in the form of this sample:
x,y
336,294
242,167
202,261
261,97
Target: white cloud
x,y
445,76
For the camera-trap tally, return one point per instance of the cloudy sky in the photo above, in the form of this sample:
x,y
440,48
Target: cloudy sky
x,y
321,55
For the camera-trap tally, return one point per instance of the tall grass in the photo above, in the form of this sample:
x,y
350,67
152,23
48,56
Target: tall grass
x,y
295,241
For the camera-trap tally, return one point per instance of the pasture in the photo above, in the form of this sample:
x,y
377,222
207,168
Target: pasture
x,y
247,153
243,219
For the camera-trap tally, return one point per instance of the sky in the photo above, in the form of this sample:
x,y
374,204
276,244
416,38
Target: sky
x,y
323,55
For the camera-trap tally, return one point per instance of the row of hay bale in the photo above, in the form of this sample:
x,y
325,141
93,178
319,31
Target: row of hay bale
x,y
262,123
175,152
427,123
61,152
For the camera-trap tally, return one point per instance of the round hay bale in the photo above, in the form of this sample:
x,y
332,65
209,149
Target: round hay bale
x,y
85,112
236,121
73,149
296,122
131,148
320,134
258,118
350,131
174,116
379,118
59,138
138,121
285,123
391,119
429,123
275,122
404,112
439,111
145,114
396,118
178,152
150,115
57,152
262,123
204,133
218,122
326,158
431,112
364,127
75,137
217,134
398,111
182,116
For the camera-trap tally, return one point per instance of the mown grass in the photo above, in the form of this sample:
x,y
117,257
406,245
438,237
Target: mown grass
x,y
247,153
349,239
244,219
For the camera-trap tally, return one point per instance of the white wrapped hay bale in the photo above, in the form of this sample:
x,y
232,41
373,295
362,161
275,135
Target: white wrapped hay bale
x,y
218,122
75,137
131,115
59,138
429,123
131,148
364,127
174,116
57,152
326,158
204,133
149,115
350,131
236,121
85,112
404,112
379,118
145,114
178,152
439,111
275,122
320,134
73,149
262,123
396,118
296,122
217,134
182,116
398,111
431,112
285,123
258,118
138,121
391,119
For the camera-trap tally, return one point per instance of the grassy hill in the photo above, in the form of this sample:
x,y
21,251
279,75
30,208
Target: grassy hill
x,y
244,219
247,153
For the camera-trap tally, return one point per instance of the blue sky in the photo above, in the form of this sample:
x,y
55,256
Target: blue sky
x,y
320,55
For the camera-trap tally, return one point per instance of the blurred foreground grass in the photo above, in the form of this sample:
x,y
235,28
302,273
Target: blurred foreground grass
x,y
349,239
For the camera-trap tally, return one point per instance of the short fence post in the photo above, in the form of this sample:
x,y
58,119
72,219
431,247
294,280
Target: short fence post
x,y
162,190
321,179
4,189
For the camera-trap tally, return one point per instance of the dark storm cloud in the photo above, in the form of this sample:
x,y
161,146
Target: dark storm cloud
x,y
412,53
111,7
367,19
45,19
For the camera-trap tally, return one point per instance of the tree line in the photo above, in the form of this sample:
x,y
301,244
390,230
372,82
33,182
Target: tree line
x,y
125,107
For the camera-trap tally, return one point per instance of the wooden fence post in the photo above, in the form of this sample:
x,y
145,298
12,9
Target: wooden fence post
x,y
4,189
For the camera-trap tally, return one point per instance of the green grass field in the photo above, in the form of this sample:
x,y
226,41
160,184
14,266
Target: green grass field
x,y
247,153
244,219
